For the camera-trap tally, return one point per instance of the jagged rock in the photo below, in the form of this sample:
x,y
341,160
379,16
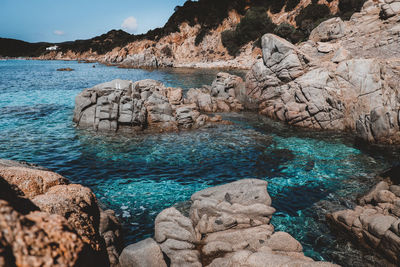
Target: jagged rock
x,y
375,223
341,55
329,29
265,259
282,58
228,226
390,8
110,230
304,92
240,204
31,182
177,238
146,253
78,204
29,188
149,105
39,239
143,60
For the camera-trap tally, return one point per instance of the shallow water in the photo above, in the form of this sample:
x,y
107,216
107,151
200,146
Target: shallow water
x,y
139,175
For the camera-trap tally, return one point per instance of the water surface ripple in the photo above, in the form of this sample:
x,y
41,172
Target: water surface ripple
x,y
139,175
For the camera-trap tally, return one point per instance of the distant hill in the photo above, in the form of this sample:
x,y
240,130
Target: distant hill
x,y
17,48
209,14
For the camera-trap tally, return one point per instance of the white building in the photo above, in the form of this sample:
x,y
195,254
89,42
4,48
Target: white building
x,y
52,48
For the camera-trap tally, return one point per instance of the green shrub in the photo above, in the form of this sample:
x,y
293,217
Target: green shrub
x,y
229,40
253,25
307,17
291,4
284,30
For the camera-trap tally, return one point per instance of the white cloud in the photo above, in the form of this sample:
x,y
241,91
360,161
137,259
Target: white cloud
x,y
130,24
58,32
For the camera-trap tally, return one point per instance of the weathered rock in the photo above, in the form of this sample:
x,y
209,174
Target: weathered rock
x,y
329,29
302,86
54,197
228,226
240,204
143,60
31,182
149,105
177,238
39,239
78,204
375,223
146,253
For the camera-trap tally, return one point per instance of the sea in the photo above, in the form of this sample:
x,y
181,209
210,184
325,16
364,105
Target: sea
x,y
309,173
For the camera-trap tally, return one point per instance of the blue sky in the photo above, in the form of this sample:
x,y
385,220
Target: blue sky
x,y
65,20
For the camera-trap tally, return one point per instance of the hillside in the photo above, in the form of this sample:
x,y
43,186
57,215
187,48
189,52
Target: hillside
x,y
202,32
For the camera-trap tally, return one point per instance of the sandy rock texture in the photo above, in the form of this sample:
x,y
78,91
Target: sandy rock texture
x,y
346,77
228,225
46,221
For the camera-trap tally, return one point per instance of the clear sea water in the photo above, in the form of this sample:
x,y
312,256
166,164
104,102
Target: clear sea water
x,y
309,172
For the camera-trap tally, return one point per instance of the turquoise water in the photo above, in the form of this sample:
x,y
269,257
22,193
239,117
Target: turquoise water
x,y
309,172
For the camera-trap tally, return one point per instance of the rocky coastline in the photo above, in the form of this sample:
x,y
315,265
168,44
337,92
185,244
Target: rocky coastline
x,y
334,81
374,223
47,221
346,77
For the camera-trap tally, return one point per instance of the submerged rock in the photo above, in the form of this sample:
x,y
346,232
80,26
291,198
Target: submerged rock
x,y
228,226
149,105
374,224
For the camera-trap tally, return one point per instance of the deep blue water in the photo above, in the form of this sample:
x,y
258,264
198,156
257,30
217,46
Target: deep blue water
x,y
139,175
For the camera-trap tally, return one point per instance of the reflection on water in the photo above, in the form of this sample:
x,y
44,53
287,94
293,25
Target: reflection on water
x,y
139,175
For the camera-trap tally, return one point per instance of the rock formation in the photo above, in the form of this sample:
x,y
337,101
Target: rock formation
x,y
346,77
228,225
375,222
151,106
46,221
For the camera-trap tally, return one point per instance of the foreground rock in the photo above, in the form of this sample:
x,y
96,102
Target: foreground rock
x,y
346,77
46,221
228,225
375,222
148,105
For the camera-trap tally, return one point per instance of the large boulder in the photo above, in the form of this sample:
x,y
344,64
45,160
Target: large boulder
x,y
146,253
228,226
141,60
240,204
31,190
39,239
356,94
374,224
328,30
149,105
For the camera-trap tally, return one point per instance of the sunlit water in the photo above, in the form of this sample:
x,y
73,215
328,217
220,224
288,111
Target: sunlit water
x,y
309,173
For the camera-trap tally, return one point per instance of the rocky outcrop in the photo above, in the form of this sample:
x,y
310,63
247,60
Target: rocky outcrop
x,y
150,106
46,221
375,222
228,225
321,84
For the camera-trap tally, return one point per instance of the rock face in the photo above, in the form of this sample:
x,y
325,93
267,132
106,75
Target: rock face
x,y
319,85
228,226
375,222
149,105
46,221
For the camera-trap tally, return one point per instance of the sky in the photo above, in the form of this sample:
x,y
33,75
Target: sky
x,y
68,20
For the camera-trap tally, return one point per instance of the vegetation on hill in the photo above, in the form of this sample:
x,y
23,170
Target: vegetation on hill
x,y
209,14
17,48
